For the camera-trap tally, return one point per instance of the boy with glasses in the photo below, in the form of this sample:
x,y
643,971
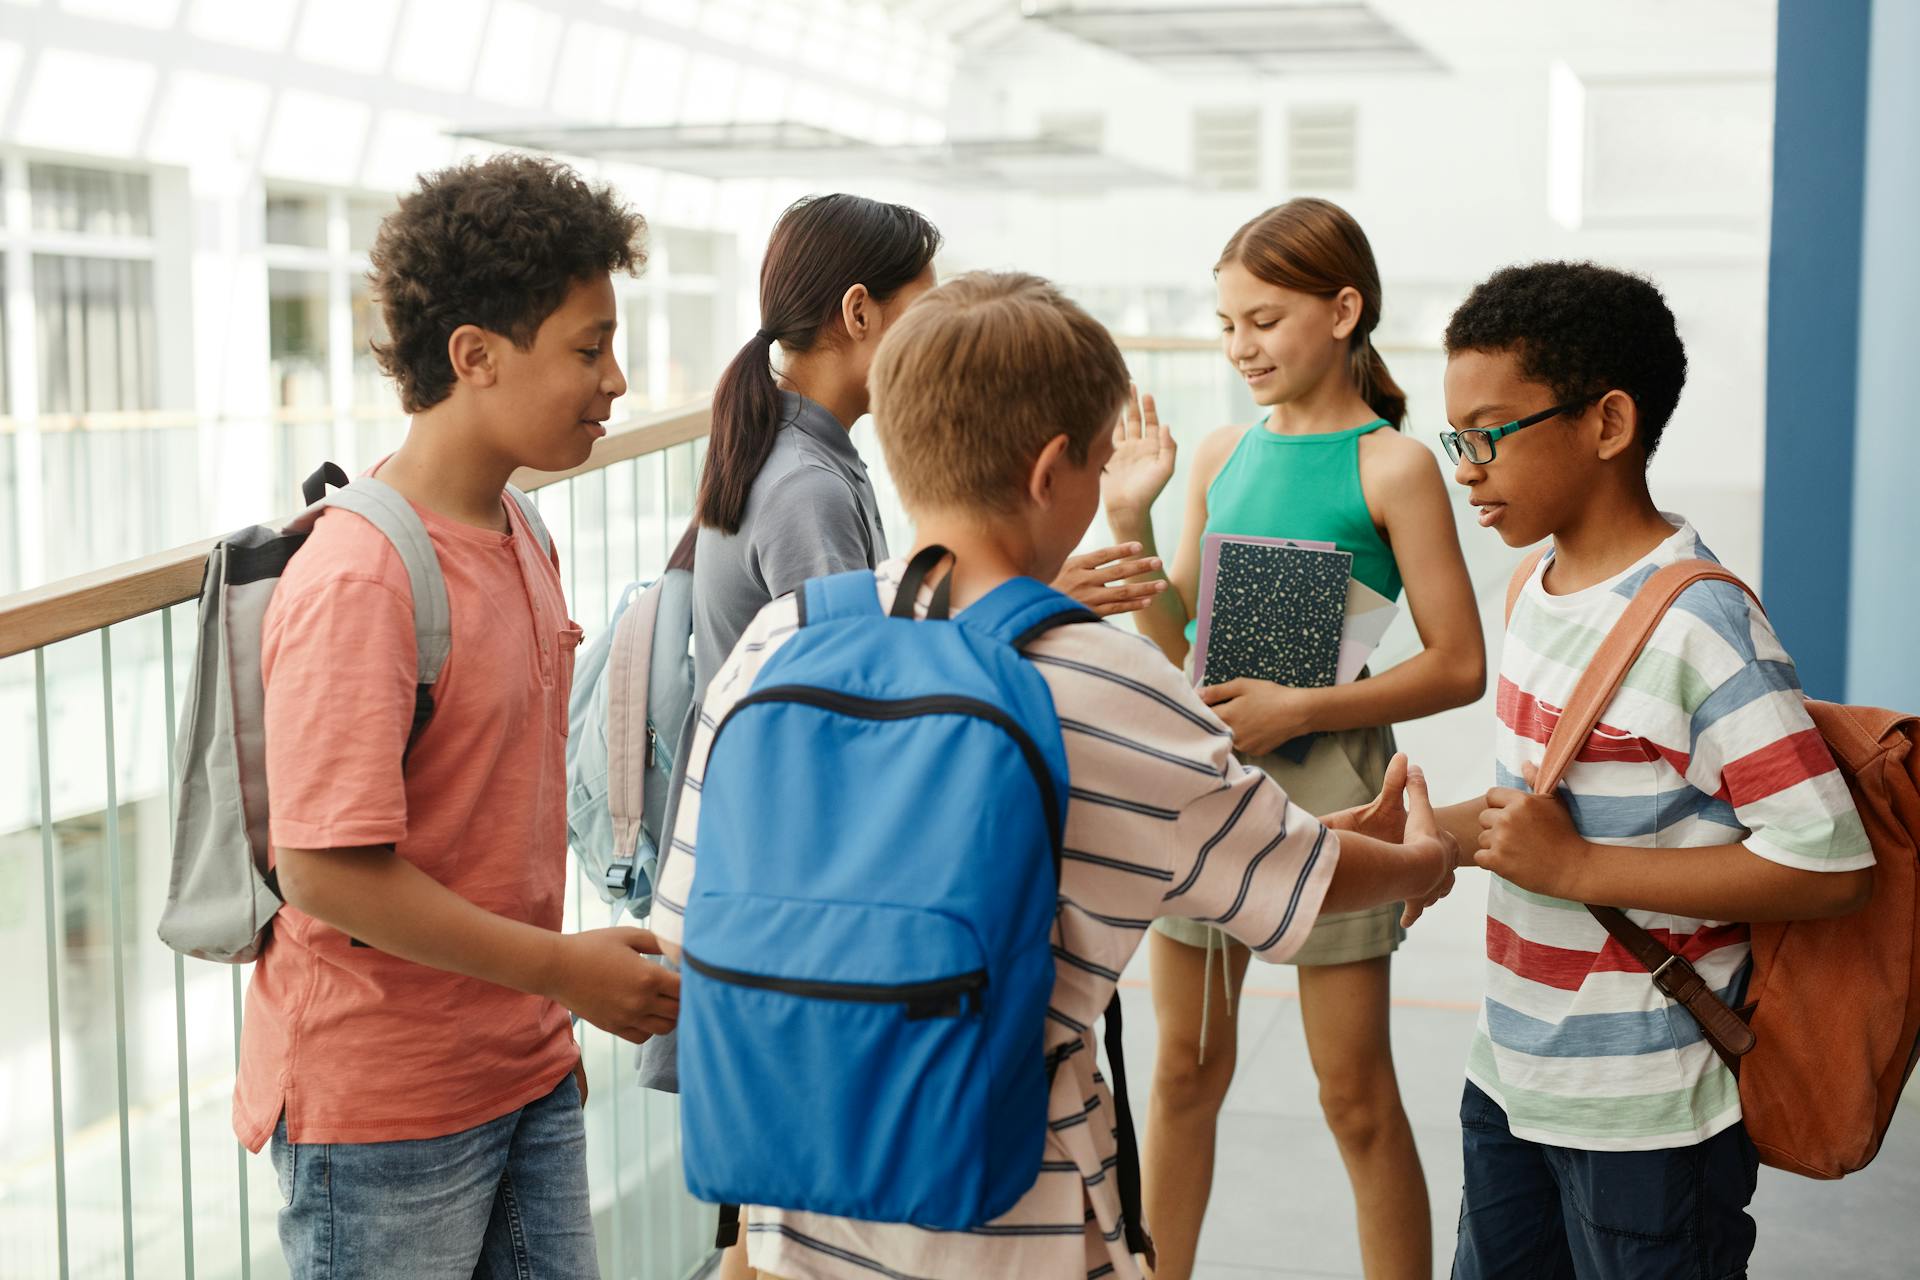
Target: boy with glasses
x,y
1602,1134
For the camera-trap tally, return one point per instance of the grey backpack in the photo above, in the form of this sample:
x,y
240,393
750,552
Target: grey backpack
x,y
221,893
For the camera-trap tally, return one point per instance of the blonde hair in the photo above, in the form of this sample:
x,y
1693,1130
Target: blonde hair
x,y
1314,246
976,377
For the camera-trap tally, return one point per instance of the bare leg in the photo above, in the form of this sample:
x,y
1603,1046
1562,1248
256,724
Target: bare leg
x,y
1177,1173
1345,1011
733,1263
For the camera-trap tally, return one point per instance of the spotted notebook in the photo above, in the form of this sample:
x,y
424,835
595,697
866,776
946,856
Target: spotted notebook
x,y
1271,610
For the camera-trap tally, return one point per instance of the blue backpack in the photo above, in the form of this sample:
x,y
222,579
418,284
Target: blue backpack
x,y
868,945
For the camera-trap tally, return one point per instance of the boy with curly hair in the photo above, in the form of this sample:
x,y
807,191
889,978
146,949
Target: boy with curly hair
x,y
1602,1134
407,1046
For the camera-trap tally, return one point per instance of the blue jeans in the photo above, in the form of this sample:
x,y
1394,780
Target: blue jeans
x,y
1534,1212
506,1200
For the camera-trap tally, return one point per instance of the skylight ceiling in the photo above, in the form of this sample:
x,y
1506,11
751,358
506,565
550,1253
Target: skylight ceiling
x,y
1269,39
792,150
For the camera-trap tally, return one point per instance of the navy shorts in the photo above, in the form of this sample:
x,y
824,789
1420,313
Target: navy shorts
x,y
1534,1212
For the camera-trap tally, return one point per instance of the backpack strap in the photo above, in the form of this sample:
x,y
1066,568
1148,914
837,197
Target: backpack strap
x,y
532,515
1521,577
381,506
1127,1170
1676,978
1021,609
629,670
838,596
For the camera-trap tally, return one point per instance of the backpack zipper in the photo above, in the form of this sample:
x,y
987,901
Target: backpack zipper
x,y
907,709
939,998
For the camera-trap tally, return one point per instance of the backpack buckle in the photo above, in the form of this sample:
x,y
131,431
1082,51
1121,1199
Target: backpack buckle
x,y
619,877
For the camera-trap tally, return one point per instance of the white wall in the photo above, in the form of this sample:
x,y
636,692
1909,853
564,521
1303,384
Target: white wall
x,y
1456,173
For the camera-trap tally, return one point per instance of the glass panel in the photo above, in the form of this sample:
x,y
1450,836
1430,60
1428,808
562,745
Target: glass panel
x,y
636,326
297,220
691,253
372,392
96,340
363,221
691,363
297,338
94,202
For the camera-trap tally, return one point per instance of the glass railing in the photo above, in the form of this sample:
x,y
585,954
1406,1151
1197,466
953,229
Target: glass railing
x,y
117,1056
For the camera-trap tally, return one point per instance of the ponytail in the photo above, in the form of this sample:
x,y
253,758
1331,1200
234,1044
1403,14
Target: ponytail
x,y
746,418
821,247
1377,387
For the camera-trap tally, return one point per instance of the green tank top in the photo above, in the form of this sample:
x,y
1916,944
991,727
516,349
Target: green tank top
x,y
1305,487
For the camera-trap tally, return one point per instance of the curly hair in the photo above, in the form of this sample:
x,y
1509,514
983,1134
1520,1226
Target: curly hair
x,y
1583,330
495,243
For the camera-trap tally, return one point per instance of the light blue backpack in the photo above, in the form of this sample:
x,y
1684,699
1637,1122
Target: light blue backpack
x,y
632,688
868,949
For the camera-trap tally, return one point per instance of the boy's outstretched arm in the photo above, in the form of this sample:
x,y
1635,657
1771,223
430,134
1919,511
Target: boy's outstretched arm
x,y
1418,868
1530,840
388,903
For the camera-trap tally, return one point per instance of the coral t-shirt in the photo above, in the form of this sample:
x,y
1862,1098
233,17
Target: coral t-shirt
x,y
353,1044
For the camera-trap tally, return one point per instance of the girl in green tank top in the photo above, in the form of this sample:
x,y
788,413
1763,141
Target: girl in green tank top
x,y
1299,297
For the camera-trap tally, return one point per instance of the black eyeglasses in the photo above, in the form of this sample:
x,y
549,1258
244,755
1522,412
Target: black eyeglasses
x,y
1475,444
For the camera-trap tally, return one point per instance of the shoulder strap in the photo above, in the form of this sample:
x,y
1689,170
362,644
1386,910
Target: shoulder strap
x,y
1606,671
1521,577
381,505
838,596
629,669
1608,667
534,522
1020,609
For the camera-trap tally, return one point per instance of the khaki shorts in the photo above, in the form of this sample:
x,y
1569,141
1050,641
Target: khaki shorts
x,y
1342,770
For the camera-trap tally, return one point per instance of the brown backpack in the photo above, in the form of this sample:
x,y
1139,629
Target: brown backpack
x,y
1831,1028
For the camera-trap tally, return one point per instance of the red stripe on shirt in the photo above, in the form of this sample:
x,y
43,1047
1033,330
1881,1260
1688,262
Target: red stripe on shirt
x,y
1566,968
1775,767
1533,719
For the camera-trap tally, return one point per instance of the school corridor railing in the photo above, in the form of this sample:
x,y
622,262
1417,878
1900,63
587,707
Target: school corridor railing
x,y
116,1055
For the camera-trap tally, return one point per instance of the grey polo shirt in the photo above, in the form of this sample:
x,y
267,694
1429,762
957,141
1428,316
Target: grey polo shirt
x,y
811,512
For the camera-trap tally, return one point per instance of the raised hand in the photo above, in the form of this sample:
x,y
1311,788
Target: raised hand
x,y
1143,456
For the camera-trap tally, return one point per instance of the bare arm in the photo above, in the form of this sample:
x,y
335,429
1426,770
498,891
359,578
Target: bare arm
x,y
1451,668
388,903
1530,840
1418,869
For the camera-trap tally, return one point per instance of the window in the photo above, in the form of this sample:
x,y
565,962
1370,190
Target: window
x,y
91,202
297,338
677,320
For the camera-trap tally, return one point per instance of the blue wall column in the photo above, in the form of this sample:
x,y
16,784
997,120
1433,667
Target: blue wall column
x,y
1813,331
1883,614
1841,539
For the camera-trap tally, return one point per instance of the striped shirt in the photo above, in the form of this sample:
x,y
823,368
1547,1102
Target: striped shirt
x,y
1161,820
1708,742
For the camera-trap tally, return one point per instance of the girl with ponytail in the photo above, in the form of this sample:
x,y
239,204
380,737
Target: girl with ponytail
x,y
1299,298
785,495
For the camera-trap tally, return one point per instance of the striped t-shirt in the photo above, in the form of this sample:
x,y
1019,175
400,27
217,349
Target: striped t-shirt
x,y
1161,820
1708,742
